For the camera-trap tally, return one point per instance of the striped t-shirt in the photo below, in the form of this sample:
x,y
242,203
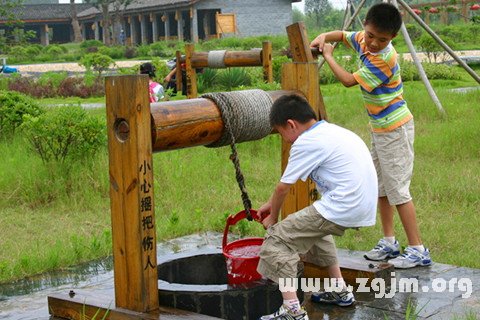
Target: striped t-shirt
x,y
381,84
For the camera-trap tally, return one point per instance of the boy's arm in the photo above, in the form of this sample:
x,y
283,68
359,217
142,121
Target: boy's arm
x,y
273,206
345,77
170,75
321,39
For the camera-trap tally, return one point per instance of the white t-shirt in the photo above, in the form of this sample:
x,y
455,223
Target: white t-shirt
x,y
341,166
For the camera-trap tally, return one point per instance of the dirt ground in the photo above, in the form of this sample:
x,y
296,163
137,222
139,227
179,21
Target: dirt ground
x,y
73,67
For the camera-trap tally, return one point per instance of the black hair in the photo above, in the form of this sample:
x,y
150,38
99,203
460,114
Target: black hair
x,y
148,68
385,17
291,107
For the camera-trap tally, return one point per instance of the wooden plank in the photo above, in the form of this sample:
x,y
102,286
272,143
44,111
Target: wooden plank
x,y
267,61
192,91
131,192
81,306
299,44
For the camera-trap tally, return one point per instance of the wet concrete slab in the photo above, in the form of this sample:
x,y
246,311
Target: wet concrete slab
x,y
456,299
439,291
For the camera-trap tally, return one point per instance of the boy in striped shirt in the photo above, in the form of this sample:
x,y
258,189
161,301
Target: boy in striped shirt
x,y
391,123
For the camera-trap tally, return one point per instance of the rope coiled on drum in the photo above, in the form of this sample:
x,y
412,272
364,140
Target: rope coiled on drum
x,y
245,112
216,58
245,115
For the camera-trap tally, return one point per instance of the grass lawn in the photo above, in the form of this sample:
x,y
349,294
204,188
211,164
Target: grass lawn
x,y
52,216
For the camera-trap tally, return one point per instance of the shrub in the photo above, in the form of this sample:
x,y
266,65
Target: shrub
x,y
96,61
33,50
64,133
13,107
277,63
207,79
143,51
32,88
53,78
116,52
77,87
159,49
233,77
432,49
91,44
414,31
408,71
130,52
55,50
441,71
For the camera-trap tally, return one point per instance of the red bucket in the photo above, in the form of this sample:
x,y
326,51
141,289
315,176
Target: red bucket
x,y
241,255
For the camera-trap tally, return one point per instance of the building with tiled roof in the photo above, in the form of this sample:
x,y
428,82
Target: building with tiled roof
x,y
146,21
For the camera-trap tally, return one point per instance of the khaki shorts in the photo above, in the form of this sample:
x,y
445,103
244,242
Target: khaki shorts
x,y
304,232
392,154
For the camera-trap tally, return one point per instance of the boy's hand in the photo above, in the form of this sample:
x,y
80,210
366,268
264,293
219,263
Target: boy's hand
x,y
328,49
269,221
264,211
318,42
265,217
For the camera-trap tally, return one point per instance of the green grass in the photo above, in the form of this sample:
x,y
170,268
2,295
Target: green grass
x,y
53,216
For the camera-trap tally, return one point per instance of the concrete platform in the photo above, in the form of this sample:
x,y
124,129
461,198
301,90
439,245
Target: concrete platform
x,y
439,296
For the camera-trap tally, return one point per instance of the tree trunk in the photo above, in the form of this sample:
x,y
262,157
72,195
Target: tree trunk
x,y
77,34
106,25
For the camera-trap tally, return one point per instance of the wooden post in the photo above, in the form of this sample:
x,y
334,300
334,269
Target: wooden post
x,y
178,71
304,78
302,75
190,71
267,61
131,193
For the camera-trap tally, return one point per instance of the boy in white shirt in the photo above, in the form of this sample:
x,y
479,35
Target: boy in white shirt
x,y
339,163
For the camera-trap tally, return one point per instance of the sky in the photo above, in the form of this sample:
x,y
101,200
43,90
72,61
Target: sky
x,y
339,4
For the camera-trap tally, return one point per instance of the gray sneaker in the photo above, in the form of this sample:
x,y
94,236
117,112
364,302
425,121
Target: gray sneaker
x,y
383,250
412,258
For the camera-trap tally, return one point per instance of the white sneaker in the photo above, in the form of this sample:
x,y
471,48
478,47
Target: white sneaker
x,y
383,250
412,258
285,314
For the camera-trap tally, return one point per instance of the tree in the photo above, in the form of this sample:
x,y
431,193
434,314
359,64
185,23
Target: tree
x,y
118,10
77,34
103,6
6,9
318,9
110,28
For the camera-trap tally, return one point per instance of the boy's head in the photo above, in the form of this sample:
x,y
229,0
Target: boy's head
x,y
381,25
290,115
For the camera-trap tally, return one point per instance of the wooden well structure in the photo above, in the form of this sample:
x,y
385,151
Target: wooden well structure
x,y
136,129
247,58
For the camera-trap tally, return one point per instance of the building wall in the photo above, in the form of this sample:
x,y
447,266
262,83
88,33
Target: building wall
x,y
254,17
